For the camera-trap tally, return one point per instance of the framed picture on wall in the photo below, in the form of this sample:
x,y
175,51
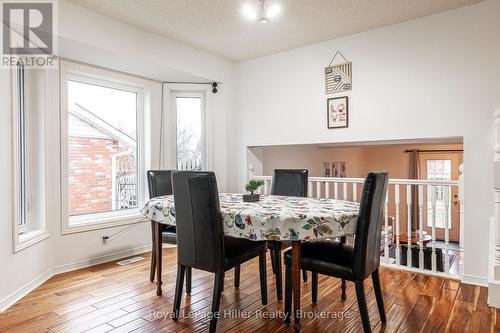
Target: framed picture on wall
x,y
337,112
335,169
326,169
343,169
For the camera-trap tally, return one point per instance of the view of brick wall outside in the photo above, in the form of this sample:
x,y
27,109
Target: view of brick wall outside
x,y
90,178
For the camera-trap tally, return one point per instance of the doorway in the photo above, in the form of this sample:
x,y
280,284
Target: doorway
x,y
441,166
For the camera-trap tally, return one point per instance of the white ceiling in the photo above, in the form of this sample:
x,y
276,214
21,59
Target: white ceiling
x,y
217,26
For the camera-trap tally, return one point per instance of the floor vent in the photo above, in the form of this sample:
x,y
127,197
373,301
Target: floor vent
x,y
129,261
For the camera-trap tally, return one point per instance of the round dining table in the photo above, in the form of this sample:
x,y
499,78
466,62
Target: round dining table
x,y
276,218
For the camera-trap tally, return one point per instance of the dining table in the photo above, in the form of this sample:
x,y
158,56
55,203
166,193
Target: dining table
x,y
272,218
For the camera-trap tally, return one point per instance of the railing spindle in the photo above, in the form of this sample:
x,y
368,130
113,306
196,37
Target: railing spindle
x,y
396,227
318,190
310,189
344,187
421,226
386,225
446,229
327,190
408,222
355,192
336,190
433,221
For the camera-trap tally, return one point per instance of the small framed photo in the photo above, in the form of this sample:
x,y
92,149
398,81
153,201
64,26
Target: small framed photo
x,y
335,169
327,169
343,169
337,112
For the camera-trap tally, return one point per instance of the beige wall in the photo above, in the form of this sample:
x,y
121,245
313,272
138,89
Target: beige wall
x,y
360,160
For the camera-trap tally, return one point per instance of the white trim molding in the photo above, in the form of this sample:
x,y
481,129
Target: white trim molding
x,y
169,122
143,88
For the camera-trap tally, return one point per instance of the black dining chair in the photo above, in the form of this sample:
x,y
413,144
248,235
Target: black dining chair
x,y
289,182
201,243
353,263
160,184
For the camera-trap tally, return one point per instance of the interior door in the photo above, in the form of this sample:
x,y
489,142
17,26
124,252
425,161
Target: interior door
x,y
441,166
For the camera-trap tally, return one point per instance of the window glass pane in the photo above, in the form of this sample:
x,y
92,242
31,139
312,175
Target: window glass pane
x,y
189,133
21,142
438,170
102,148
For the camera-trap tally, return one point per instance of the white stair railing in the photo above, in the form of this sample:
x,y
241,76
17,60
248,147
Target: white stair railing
x,y
398,208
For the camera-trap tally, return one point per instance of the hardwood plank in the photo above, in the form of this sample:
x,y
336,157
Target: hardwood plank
x,y
113,298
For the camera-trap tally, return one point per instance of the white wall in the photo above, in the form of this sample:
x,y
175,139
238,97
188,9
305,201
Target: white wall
x,y
98,40
433,77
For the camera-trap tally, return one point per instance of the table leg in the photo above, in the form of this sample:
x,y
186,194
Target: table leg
x,y
296,283
158,240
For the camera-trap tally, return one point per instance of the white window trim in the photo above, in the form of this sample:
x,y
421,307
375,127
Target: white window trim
x,y
171,91
28,237
117,80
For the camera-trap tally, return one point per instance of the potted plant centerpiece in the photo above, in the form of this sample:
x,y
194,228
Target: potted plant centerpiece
x,y
251,187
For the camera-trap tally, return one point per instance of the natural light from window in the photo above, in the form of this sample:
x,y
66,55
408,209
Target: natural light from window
x,y
102,149
189,133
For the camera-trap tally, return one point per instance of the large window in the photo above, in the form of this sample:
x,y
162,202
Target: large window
x,y
102,148
28,106
102,134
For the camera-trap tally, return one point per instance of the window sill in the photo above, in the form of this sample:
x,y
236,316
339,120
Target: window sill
x,y
29,238
92,224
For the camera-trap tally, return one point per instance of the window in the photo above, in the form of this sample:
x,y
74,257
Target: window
x,y
103,148
189,133
438,170
28,101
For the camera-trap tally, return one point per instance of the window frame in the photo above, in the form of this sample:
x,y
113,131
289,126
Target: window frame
x,y
169,136
29,232
111,79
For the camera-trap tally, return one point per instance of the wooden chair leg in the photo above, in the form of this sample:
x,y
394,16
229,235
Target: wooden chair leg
x,y
237,276
218,283
279,279
178,291
343,287
153,254
378,294
273,261
363,309
288,294
304,275
314,287
188,280
263,278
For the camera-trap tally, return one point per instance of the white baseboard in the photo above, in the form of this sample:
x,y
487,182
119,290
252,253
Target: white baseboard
x,y
10,300
475,280
100,260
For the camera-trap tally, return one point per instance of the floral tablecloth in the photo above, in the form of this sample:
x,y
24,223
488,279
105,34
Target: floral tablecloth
x,y
273,217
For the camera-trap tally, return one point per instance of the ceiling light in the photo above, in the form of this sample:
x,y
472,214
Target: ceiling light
x,y
261,13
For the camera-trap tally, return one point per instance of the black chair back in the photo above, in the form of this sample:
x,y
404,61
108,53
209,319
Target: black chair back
x,y
368,230
200,237
159,183
290,182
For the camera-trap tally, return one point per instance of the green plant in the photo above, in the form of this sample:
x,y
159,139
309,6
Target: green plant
x,y
253,185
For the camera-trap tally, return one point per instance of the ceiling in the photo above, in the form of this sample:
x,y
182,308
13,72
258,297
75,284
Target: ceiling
x,y
217,26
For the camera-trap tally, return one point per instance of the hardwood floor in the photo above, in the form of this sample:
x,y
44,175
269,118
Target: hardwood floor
x,y
113,298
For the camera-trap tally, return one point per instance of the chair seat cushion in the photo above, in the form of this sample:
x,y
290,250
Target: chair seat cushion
x,y
274,245
326,257
238,250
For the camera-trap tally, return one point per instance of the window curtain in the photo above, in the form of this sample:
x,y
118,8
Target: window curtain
x,y
413,173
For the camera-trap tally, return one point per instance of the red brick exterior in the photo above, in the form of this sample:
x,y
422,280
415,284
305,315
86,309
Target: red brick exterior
x,y
90,180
